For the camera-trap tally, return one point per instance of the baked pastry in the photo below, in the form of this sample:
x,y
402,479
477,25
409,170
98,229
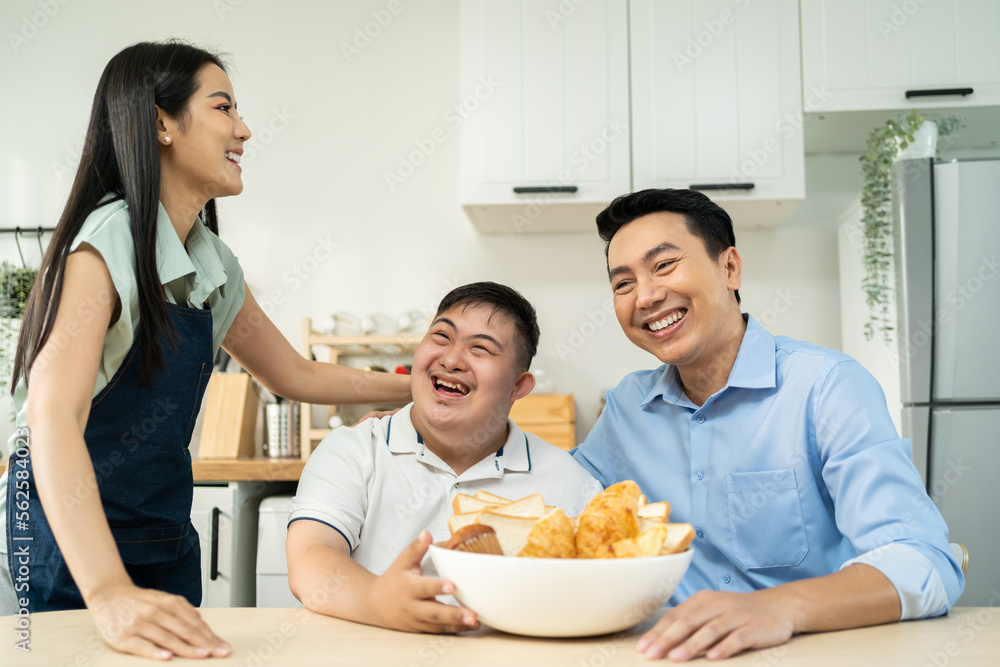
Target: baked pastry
x,y
551,537
475,539
610,516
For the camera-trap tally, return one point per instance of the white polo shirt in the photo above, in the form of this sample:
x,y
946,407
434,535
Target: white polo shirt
x,y
378,485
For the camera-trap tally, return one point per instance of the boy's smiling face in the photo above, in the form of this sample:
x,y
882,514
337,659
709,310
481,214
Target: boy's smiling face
x,y
466,376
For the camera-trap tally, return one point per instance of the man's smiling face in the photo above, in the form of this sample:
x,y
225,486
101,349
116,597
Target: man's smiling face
x,y
671,298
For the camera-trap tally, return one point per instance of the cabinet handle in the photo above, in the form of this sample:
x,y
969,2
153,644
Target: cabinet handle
x,y
535,189
722,186
214,557
938,91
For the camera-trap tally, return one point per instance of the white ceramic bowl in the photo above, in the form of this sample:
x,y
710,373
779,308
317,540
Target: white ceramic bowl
x,y
553,597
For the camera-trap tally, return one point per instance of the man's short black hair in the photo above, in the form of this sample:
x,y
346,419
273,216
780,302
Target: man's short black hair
x,y
705,219
505,301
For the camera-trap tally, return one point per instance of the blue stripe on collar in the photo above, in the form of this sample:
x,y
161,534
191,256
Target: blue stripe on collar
x,y
388,433
527,451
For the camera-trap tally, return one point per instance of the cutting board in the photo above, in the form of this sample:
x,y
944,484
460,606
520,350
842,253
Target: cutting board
x,y
231,406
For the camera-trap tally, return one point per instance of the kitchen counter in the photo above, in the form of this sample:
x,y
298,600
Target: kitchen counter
x,y
255,469
968,636
248,470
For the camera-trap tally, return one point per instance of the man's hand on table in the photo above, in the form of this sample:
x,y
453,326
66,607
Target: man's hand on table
x,y
404,598
721,624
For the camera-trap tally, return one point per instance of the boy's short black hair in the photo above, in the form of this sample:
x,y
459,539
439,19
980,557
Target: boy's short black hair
x,y
705,219
506,301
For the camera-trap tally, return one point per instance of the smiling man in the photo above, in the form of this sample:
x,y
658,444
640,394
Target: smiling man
x,y
809,513
355,537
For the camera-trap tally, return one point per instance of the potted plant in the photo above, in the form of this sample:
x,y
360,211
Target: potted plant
x,y
15,286
885,142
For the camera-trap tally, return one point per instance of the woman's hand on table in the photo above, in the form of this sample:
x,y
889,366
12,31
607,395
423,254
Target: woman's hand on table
x,y
153,624
404,597
721,624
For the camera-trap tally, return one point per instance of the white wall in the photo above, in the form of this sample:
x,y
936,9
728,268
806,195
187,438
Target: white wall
x,y
336,127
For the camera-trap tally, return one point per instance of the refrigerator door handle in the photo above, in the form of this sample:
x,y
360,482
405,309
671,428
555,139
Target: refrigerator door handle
x,y
214,554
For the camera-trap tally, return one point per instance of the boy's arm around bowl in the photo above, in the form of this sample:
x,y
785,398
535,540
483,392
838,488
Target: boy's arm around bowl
x,y
324,577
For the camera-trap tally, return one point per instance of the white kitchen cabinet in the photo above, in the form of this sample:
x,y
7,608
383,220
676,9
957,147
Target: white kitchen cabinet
x,y
888,54
544,112
225,516
717,103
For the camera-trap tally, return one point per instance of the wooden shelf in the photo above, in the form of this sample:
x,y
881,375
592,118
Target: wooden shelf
x,y
405,341
247,469
341,346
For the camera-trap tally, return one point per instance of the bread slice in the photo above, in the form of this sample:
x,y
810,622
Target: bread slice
x,y
491,497
464,503
512,531
658,511
679,537
530,506
645,524
460,521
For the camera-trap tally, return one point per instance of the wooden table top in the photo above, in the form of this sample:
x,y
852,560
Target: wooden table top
x,y
968,636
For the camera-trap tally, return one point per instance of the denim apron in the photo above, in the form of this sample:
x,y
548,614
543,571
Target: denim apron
x,y
138,440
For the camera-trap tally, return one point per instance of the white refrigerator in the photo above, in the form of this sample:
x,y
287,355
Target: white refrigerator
x,y
947,249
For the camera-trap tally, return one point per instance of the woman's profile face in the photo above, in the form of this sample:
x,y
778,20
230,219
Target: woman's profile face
x,y
205,149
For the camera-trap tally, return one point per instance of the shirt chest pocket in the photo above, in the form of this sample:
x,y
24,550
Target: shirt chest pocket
x,y
765,518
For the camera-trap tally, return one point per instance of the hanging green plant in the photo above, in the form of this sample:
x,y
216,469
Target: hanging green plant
x,y
15,286
883,146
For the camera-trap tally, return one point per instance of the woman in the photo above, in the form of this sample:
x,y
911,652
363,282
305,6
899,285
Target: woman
x,y
135,295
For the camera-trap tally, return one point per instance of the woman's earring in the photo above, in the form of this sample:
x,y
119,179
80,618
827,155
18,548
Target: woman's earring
x,y
166,140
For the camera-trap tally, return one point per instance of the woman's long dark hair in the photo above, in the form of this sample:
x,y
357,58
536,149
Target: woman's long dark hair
x,y
121,158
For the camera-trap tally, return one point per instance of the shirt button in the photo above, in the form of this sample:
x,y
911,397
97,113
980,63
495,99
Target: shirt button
x,y
725,579
701,419
456,485
699,533
698,475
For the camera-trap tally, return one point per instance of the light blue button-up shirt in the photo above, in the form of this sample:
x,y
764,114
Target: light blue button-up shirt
x,y
792,470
